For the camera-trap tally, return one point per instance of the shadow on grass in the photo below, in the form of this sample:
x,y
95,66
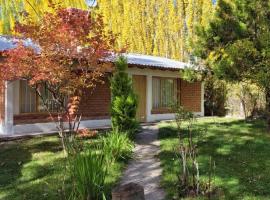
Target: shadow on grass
x,y
167,132
51,146
11,161
30,168
35,169
45,182
15,154
241,153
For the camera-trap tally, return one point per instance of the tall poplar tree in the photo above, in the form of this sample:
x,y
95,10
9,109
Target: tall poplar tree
x,y
12,10
162,28
153,27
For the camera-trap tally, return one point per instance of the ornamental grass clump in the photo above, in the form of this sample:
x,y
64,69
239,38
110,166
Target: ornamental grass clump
x,y
88,164
117,145
88,171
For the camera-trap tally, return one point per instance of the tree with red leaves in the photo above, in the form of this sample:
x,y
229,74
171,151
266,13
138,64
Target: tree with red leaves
x,y
69,59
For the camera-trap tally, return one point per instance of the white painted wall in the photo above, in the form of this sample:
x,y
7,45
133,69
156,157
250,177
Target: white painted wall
x,y
7,125
16,97
11,107
50,127
1,128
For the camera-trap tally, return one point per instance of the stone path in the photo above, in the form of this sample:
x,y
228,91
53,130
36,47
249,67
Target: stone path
x,y
145,168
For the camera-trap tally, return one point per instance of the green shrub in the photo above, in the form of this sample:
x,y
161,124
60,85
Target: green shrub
x,y
118,145
124,101
216,94
88,170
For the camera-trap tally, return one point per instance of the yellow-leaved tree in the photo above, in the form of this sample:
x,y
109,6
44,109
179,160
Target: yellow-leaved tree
x,y
13,10
153,27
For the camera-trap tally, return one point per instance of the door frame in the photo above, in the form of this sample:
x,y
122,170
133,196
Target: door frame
x,y
142,106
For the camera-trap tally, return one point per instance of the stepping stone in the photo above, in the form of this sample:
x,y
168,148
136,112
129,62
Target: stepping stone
x,y
145,168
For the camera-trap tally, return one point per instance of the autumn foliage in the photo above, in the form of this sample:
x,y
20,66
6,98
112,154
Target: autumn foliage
x,y
70,46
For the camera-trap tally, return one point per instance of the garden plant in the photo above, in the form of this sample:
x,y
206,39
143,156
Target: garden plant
x,y
124,100
189,183
68,45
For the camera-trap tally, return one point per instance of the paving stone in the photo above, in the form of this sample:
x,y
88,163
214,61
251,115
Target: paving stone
x,y
145,168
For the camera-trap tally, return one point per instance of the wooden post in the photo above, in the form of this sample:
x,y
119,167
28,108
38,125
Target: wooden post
x,y
130,191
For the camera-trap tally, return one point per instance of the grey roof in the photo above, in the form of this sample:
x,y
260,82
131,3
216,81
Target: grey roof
x,y
155,61
7,42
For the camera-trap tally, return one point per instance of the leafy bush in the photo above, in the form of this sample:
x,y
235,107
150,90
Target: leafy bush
x,y
246,99
124,101
88,170
117,145
189,182
216,94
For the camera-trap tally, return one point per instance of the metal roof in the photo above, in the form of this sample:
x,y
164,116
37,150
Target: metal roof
x,y
155,61
7,42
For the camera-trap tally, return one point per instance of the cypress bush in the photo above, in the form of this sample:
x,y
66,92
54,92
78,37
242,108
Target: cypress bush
x,y
124,100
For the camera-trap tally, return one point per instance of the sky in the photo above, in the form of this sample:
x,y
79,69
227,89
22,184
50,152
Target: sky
x,y
91,2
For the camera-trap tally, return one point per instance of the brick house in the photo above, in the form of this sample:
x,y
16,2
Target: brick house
x,y
156,80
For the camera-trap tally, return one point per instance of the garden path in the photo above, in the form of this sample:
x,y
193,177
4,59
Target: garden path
x,y
145,167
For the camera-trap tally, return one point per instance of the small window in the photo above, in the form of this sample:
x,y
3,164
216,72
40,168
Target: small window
x,y
164,92
30,102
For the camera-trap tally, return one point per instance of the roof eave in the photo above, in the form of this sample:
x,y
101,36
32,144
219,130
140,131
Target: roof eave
x,y
154,67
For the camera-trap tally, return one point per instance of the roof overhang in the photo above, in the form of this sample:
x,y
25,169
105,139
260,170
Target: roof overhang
x,y
146,61
134,60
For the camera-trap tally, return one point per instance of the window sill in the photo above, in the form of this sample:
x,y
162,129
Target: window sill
x,y
161,111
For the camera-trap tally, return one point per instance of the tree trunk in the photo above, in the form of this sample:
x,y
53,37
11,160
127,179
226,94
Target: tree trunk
x,y
267,108
244,108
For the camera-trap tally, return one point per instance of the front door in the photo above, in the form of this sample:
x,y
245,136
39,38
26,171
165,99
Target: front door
x,y
139,86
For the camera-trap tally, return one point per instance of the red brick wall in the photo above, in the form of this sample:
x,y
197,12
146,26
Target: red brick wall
x,y
95,104
191,95
2,103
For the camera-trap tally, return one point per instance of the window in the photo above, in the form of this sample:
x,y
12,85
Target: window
x,y
28,98
164,92
30,102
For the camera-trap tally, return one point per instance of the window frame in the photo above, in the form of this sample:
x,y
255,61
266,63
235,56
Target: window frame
x,y
37,101
163,109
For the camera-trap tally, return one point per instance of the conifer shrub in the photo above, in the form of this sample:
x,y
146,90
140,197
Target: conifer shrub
x,y
124,100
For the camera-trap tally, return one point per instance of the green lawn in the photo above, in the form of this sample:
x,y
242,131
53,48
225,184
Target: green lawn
x,y
34,169
241,152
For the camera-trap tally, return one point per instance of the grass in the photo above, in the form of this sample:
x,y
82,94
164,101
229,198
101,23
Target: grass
x,y
241,151
35,169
